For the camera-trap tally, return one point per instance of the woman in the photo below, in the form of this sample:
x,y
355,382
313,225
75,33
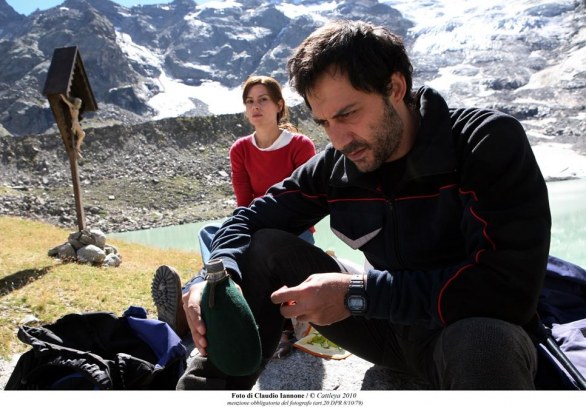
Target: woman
x,y
259,160
274,150
268,155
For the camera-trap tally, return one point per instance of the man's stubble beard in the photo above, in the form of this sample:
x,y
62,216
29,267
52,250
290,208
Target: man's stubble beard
x,y
388,133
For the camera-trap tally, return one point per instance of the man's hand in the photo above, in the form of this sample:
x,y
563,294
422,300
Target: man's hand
x,y
191,306
319,299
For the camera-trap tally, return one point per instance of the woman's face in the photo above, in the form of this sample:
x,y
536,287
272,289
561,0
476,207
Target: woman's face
x,y
260,108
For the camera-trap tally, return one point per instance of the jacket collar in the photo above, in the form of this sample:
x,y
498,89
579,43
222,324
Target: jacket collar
x,y
433,152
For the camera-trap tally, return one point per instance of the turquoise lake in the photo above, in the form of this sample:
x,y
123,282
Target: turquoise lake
x,y
568,209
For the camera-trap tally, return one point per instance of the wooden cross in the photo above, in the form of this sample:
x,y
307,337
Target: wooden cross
x,y
70,95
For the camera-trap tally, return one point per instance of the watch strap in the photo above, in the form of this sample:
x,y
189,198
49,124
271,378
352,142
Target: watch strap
x,y
356,288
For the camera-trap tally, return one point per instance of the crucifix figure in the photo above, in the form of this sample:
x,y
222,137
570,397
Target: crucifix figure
x,y
77,132
69,93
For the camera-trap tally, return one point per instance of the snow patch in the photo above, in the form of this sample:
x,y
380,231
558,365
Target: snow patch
x,y
219,5
137,52
292,10
557,160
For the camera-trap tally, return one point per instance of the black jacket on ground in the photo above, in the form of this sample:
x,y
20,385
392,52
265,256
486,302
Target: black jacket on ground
x,y
459,227
99,351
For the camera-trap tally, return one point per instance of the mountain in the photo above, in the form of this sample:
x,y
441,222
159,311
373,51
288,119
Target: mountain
x,y
148,64
151,62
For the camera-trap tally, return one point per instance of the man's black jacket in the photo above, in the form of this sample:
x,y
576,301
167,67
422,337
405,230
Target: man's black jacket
x,y
463,231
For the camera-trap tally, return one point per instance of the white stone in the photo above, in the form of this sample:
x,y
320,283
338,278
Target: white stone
x,y
91,254
112,260
98,237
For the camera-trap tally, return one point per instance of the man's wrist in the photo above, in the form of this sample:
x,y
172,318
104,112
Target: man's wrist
x,y
356,300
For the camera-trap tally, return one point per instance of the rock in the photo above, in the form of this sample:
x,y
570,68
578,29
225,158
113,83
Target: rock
x,y
27,319
109,249
88,246
64,252
98,238
91,254
112,260
77,240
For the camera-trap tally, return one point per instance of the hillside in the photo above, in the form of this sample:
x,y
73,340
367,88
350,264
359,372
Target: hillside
x,y
158,173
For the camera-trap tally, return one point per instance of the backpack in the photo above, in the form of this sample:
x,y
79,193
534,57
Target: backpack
x,y
100,351
560,330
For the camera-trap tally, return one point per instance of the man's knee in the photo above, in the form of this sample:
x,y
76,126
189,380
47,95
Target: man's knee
x,y
486,333
485,353
276,248
271,240
268,248
283,258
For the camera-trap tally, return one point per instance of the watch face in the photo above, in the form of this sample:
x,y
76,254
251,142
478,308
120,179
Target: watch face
x,y
356,303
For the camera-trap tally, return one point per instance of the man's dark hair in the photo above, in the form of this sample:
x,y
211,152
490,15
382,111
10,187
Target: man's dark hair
x,y
368,54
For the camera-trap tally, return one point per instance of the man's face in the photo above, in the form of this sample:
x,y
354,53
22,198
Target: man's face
x,y
363,126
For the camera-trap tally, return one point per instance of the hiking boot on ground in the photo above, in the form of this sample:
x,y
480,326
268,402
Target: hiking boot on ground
x,y
166,293
201,374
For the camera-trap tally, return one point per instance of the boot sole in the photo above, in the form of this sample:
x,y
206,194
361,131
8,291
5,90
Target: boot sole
x,y
166,294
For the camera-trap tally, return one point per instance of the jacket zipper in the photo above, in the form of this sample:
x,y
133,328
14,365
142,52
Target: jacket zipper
x,y
391,202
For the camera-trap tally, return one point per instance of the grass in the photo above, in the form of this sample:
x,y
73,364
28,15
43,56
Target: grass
x,y
34,284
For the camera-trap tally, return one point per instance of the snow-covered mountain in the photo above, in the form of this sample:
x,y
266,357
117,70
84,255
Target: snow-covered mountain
x,y
526,57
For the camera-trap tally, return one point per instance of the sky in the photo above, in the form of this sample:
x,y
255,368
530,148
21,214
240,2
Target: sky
x,y
26,7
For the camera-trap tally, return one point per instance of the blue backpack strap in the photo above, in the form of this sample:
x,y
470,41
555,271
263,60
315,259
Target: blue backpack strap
x,y
563,297
158,335
562,304
557,267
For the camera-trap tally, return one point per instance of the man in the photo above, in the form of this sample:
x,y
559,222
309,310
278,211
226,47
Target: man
x,y
448,205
